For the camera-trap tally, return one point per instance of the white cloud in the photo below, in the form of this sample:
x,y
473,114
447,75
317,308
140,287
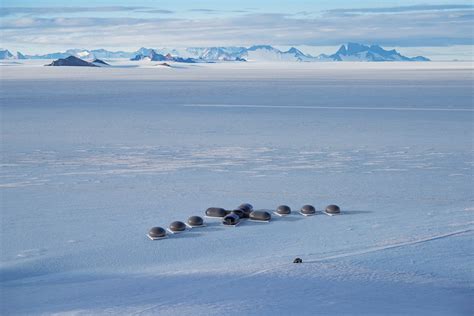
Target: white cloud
x,y
427,27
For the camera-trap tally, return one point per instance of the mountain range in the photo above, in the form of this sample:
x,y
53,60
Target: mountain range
x,y
265,53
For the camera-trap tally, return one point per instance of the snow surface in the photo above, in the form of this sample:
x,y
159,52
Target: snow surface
x,y
94,157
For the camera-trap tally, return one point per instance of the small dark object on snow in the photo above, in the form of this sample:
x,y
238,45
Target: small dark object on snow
x,y
333,209
195,221
216,212
298,260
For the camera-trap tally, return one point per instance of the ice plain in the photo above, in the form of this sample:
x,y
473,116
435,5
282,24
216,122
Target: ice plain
x,y
94,157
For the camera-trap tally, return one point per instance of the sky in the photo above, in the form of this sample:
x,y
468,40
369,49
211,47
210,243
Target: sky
x,y
442,29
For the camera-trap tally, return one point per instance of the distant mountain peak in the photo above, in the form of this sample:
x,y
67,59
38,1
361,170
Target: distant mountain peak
x,y
72,61
255,47
100,62
361,52
354,48
295,51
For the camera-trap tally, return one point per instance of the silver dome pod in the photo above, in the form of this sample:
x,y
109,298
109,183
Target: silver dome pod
x,y
177,227
156,233
308,210
216,212
283,210
333,209
195,221
261,216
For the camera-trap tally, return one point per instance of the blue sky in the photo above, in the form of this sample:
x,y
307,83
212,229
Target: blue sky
x,y
50,25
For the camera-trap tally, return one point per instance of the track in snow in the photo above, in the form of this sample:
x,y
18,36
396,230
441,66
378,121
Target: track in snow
x,y
391,246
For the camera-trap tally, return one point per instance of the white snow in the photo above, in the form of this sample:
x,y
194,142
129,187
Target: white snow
x,y
92,158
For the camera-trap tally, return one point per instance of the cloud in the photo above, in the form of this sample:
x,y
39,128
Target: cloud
x,y
66,23
407,28
6,11
202,10
157,11
411,8
212,11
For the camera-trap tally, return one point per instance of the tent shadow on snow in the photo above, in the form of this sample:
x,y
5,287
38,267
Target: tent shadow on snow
x,y
287,218
125,66
354,212
212,226
188,234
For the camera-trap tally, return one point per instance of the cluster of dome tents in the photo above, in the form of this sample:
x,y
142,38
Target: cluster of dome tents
x,y
235,217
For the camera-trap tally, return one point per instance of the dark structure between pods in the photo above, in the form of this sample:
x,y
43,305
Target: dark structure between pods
x,y
246,209
231,220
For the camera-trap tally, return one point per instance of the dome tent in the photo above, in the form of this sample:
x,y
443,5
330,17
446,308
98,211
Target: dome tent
x,y
283,210
177,227
231,220
308,210
157,233
332,209
261,216
215,212
195,221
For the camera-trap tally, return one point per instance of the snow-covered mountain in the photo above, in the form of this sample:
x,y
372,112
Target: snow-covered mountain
x,y
269,53
85,54
105,54
254,53
359,52
152,55
231,53
6,54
